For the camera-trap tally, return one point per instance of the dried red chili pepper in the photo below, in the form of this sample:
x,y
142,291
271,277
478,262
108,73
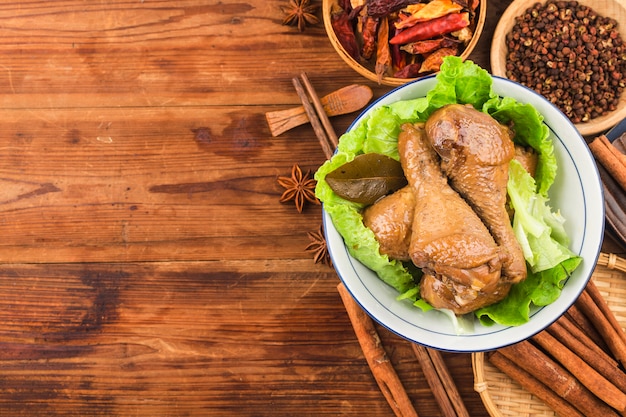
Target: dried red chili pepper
x,y
383,52
342,25
409,71
468,4
430,29
429,45
359,36
433,61
398,58
380,8
428,11
346,5
370,27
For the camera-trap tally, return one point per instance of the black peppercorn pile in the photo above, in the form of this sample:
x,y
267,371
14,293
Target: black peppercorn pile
x,y
569,54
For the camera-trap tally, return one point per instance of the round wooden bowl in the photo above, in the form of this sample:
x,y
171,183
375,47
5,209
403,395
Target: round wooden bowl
x,y
615,9
504,397
329,6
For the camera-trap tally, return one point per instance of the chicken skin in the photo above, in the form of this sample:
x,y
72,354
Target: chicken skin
x,y
460,260
391,219
475,151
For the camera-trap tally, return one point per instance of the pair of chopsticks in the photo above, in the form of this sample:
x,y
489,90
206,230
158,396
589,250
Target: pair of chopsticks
x,y
440,381
433,366
316,114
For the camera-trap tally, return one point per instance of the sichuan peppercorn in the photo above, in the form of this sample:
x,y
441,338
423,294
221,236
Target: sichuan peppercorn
x,y
569,54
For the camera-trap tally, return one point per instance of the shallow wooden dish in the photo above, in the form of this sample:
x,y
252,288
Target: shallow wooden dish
x,y
499,52
504,397
329,5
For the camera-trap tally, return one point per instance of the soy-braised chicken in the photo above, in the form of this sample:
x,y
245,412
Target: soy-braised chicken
x,y
460,260
475,151
391,220
452,220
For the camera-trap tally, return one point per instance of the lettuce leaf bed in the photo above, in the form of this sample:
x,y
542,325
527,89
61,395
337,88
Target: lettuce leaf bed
x,y
538,228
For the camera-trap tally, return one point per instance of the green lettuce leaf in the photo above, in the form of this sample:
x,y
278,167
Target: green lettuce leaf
x,y
530,130
457,82
539,231
541,288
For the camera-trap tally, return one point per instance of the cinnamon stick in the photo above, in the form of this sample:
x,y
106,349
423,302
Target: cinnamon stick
x,y
313,119
599,300
577,316
576,333
382,369
534,386
601,362
589,377
610,158
448,383
614,341
528,357
440,381
617,154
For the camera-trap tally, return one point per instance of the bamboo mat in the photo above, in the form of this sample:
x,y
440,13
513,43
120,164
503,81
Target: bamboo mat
x,y
504,397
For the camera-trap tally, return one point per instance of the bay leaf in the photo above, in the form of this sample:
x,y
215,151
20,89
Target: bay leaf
x,y
367,178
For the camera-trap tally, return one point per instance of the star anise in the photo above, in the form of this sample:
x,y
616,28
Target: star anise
x,y
318,247
299,188
299,13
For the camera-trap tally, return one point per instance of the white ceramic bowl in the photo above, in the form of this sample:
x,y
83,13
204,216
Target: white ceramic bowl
x,y
577,193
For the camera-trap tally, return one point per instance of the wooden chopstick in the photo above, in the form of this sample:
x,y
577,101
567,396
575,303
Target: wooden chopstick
x,y
328,128
440,381
313,118
434,382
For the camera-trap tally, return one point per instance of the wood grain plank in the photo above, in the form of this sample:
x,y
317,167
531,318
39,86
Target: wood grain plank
x,y
272,335
148,184
69,54
156,53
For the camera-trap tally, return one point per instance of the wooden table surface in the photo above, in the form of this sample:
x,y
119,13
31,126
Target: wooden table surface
x,y
147,267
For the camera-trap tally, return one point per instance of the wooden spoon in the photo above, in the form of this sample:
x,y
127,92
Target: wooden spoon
x,y
345,100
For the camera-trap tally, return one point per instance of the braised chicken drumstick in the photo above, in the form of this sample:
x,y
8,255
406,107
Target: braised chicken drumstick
x,y
391,220
460,260
475,151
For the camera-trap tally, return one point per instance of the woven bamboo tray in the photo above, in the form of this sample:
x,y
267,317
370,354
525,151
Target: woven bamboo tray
x,y
504,397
